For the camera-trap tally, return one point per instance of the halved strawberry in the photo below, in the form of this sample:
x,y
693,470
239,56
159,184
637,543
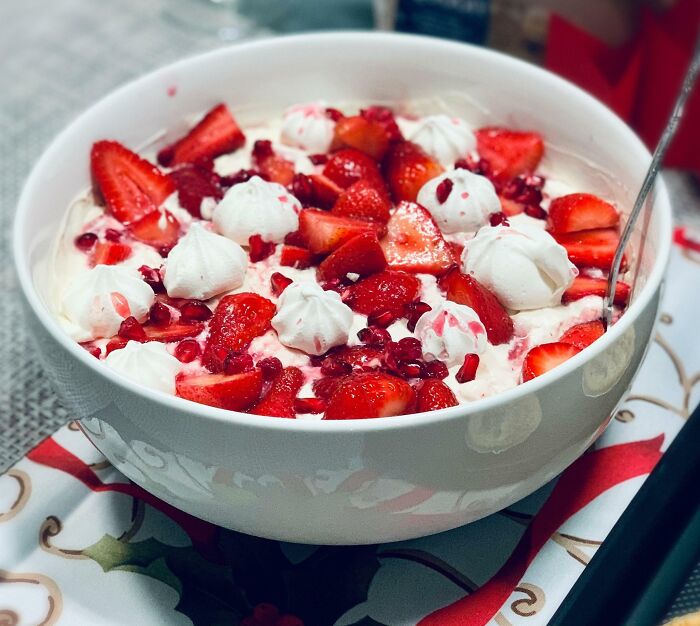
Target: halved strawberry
x,y
545,357
414,242
325,191
407,169
273,167
509,152
279,399
590,248
109,253
294,256
362,134
581,211
387,290
237,320
433,394
159,229
583,335
130,186
194,183
360,255
585,286
385,117
364,201
215,134
234,392
347,166
465,289
324,232
172,332
370,394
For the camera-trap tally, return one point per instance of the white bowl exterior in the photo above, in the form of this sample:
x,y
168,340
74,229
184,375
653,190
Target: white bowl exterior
x,y
360,481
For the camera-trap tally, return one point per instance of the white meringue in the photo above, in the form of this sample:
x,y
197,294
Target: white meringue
x,y
149,364
450,332
97,301
445,138
203,264
311,319
257,207
307,126
467,207
522,264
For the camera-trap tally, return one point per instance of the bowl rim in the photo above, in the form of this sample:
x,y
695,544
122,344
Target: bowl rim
x,y
662,208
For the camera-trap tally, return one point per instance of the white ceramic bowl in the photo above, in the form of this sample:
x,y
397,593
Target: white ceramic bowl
x,y
356,481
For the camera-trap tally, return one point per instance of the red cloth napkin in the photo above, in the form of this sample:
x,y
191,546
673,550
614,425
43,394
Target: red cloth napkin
x,y
639,80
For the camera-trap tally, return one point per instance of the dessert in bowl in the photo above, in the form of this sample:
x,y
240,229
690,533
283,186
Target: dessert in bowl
x,y
414,286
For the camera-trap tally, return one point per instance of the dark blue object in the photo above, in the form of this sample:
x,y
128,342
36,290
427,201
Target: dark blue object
x,y
463,20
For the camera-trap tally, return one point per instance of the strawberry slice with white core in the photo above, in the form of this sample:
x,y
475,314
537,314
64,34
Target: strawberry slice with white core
x,y
545,357
159,228
585,286
235,392
581,211
583,335
371,394
360,255
509,152
590,248
323,232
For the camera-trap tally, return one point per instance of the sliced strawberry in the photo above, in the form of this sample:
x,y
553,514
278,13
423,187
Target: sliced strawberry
x,y
364,201
159,229
385,117
511,207
545,357
273,167
130,186
325,191
581,211
279,400
407,169
390,291
370,394
590,248
583,335
465,289
414,242
194,183
294,256
172,332
109,253
509,152
216,133
323,232
237,320
584,286
434,395
233,392
347,166
362,134
360,255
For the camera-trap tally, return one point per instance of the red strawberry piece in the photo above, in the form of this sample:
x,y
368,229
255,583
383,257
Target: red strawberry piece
x,y
324,387
467,372
581,211
362,134
383,317
259,250
385,117
545,357
279,282
334,366
361,357
109,253
590,248
386,290
465,289
237,320
159,229
194,311
407,169
215,134
414,242
347,166
237,362
583,335
585,286
279,399
115,343
364,201
370,394
511,207
324,232
309,405
272,167
235,392
294,256
360,255
130,186
325,191
433,395
509,152
194,183
172,332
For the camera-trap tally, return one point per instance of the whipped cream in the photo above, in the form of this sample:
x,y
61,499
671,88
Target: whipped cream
x,y
311,319
445,138
450,332
203,264
468,205
522,264
307,126
148,364
257,207
98,300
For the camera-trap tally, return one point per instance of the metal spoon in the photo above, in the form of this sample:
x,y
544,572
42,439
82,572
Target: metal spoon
x,y
650,179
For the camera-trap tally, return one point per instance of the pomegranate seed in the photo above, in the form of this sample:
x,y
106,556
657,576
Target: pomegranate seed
x,y
524,189
241,176
333,366
92,349
262,149
407,349
266,613
187,351
259,250
536,211
237,362
435,369
164,251
303,189
443,190
115,343
153,278
279,282
382,318
334,284
85,241
412,369
131,329
324,387
160,314
195,311
270,367
309,405
499,219
477,166
373,336
318,159
334,114
413,312
467,372
295,239
111,234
